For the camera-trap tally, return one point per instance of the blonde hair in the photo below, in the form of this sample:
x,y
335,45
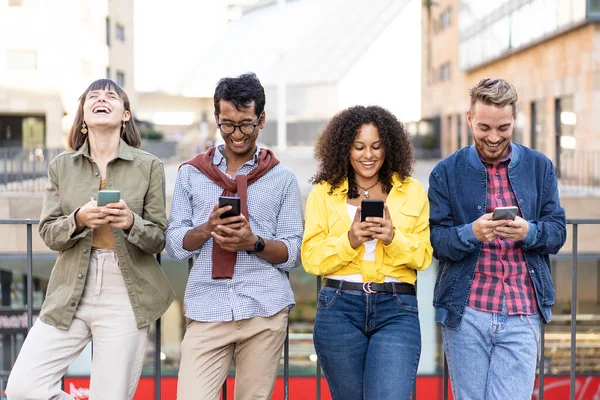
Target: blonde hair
x,y
494,91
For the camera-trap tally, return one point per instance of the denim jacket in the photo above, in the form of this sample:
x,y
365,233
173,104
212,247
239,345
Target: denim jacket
x,y
458,195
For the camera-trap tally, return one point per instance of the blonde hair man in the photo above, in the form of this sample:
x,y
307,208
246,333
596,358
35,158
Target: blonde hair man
x,y
494,285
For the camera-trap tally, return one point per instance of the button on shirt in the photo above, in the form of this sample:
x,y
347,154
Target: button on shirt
x,y
501,270
258,288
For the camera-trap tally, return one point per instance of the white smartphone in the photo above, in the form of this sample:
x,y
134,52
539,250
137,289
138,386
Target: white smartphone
x,y
501,213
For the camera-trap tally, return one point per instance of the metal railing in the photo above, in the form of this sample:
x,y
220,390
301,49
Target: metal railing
x,y
576,223
24,169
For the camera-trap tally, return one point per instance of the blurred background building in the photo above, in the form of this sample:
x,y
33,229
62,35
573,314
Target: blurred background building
x,y
49,53
417,58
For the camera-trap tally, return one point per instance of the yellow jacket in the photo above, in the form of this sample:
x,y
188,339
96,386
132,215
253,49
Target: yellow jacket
x,y
326,248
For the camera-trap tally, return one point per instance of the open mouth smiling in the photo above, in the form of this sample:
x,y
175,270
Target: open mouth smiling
x,y
101,110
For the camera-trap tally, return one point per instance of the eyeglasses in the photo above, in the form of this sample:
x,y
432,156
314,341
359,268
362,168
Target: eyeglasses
x,y
247,129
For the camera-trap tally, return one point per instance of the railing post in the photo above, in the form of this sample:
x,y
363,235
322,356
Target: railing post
x,y
157,351
318,362
574,314
286,358
29,277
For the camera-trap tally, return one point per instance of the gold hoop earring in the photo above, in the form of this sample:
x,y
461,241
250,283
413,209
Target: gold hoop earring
x,y
84,128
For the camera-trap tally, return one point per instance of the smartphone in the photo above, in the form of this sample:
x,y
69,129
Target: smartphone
x,y
234,202
505,213
371,208
108,196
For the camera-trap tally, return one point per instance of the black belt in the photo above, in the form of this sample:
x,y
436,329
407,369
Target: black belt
x,y
372,287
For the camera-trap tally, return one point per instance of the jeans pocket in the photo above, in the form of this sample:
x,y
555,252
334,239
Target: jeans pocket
x,y
327,297
407,302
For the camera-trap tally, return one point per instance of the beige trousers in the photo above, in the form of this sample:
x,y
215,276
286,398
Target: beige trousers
x,y
208,349
104,315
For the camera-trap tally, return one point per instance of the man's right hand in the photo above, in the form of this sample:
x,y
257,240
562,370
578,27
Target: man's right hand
x,y
195,238
483,227
215,220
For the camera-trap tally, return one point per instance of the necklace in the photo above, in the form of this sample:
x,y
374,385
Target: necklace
x,y
366,190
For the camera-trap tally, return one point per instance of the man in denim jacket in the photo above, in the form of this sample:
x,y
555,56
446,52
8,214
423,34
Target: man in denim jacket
x,y
494,283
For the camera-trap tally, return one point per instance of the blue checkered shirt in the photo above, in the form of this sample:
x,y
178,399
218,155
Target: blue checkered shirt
x,y
258,288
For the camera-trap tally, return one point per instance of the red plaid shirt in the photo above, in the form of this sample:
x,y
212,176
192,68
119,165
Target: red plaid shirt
x,y
501,270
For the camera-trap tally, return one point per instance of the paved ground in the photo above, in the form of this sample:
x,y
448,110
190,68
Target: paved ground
x,y
300,160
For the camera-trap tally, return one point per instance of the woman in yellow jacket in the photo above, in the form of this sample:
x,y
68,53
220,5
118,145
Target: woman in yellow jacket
x,y
366,331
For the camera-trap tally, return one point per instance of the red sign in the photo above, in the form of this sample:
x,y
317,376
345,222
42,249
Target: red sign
x,y
305,388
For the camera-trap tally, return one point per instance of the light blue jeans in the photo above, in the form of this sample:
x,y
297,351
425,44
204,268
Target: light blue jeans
x,y
493,355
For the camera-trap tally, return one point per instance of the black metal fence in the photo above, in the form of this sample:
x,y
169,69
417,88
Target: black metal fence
x,y
576,223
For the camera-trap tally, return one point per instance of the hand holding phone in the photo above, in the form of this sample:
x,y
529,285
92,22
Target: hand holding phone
x,y
234,202
502,213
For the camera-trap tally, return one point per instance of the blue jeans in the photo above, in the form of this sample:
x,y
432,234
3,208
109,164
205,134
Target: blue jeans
x,y
493,355
368,344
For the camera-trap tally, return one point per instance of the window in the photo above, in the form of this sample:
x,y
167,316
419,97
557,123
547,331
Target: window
x,y
445,72
445,18
565,123
21,60
595,6
120,32
121,78
108,31
539,129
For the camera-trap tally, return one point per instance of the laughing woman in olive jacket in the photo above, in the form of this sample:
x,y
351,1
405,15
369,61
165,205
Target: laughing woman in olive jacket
x,y
106,285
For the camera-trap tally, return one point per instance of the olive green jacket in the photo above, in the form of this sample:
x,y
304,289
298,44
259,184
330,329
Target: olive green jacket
x,y
73,179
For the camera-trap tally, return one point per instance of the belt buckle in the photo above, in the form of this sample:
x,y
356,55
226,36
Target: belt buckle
x,y
367,288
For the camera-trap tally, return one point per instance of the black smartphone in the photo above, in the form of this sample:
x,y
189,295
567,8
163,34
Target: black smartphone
x,y
234,202
108,196
505,213
371,208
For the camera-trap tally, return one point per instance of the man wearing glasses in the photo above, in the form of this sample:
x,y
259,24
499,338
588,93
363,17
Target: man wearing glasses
x,y
238,295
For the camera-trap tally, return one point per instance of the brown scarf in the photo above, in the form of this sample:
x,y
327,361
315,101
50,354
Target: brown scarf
x,y
223,261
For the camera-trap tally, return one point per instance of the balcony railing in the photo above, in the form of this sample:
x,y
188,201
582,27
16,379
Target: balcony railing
x,y
576,223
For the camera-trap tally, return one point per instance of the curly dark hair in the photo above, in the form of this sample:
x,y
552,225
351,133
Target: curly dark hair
x,y
332,150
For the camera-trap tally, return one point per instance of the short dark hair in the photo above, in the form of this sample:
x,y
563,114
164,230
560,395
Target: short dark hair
x,y
130,134
241,91
332,150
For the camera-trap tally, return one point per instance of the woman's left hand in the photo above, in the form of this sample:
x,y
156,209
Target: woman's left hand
x,y
119,215
383,228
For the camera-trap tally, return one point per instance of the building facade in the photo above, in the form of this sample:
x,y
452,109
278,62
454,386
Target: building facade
x,y
49,53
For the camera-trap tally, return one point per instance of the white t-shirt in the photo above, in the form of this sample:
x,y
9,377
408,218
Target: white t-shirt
x,y
368,256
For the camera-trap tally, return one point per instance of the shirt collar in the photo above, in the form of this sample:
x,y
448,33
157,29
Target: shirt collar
x,y
218,157
124,151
